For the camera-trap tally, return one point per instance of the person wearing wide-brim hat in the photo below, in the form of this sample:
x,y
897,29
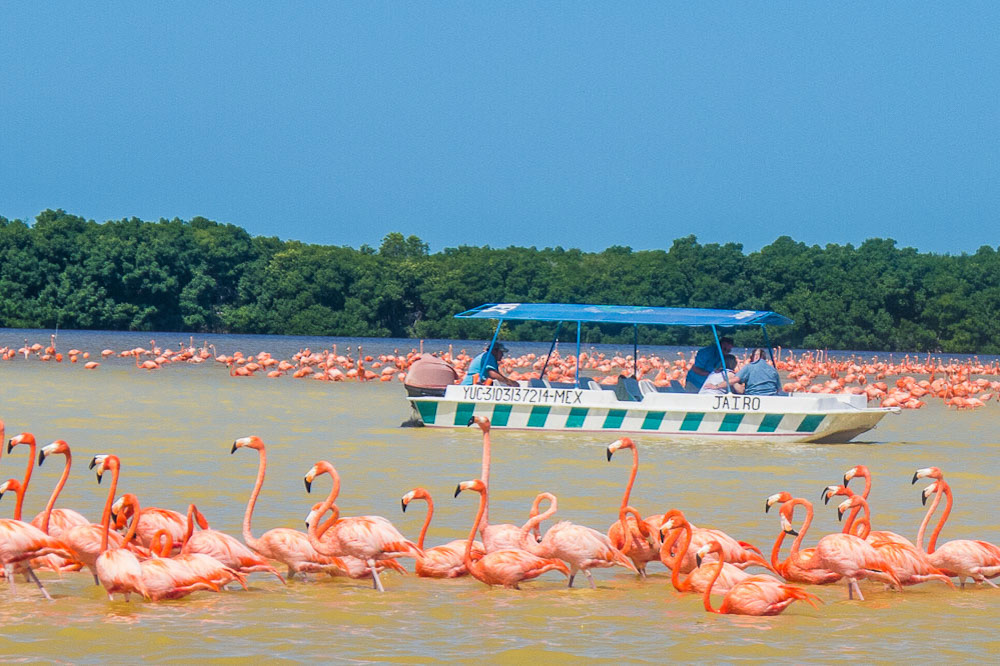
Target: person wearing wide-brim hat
x,y
487,366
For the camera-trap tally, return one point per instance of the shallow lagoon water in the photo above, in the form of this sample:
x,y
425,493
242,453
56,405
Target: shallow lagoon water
x,y
173,430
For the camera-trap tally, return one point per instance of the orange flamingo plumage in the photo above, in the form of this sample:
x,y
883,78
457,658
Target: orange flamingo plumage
x,y
796,568
117,569
21,542
699,578
639,545
447,560
507,567
288,546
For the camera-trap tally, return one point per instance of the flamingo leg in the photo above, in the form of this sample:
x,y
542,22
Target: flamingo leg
x,y
30,575
590,579
988,582
857,588
377,583
9,570
96,582
571,577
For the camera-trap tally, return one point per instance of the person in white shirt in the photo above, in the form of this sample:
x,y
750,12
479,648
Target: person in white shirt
x,y
715,383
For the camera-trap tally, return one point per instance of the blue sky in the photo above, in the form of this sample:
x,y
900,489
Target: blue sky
x,y
574,124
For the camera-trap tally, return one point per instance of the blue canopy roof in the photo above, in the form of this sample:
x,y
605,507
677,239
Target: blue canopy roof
x,y
624,314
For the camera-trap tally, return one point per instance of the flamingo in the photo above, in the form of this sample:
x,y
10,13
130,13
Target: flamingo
x,y
21,542
55,521
206,566
583,548
640,548
756,595
152,520
445,561
368,538
736,552
353,567
698,579
796,567
964,558
850,556
224,548
509,566
877,535
117,569
911,565
290,547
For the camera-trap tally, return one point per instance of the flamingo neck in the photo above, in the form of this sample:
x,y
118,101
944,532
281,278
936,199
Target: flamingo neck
x,y
927,519
484,521
932,544
631,478
190,524
134,525
776,550
868,483
106,516
706,598
675,576
24,483
427,522
538,518
252,502
55,492
793,555
627,536
316,531
467,557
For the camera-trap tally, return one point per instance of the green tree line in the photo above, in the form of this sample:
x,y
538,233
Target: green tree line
x,y
203,276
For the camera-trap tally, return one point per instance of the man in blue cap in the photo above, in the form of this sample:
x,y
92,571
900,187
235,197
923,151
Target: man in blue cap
x,y
487,366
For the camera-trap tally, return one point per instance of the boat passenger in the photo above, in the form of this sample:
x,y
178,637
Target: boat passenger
x,y
487,366
715,383
705,362
758,377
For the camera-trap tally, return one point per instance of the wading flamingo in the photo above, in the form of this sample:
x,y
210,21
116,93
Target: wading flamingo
x,y
353,567
641,546
117,568
700,578
368,538
288,546
226,549
582,548
877,535
21,542
797,567
152,520
850,556
964,558
507,567
205,566
446,561
55,521
757,595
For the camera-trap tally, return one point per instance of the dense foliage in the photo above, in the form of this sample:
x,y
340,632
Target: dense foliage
x,y
202,276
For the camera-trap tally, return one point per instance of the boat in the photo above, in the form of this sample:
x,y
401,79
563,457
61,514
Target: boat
x,y
638,406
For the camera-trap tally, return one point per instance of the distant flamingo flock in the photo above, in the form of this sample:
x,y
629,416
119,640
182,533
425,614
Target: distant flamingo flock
x,y
962,385
158,553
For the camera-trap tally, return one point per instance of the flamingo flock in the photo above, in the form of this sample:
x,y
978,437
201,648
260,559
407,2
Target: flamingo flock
x,y
158,554
906,382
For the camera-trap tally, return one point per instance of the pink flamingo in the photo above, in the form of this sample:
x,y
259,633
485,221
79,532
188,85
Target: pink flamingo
x,y
445,561
850,556
912,566
152,520
877,535
368,538
21,542
757,595
55,521
353,567
290,547
699,578
581,547
117,569
207,567
224,548
796,568
964,558
641,547
509,566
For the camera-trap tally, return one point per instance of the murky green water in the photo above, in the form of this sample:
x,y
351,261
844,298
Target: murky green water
x,y
173,430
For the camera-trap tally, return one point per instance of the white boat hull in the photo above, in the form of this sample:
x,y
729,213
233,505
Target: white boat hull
x,y
800,417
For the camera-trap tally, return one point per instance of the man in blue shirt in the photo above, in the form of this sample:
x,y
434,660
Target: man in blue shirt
x,y
487,366
705,362
759,377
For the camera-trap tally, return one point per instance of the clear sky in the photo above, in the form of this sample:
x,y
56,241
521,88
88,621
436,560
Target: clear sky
x,y
504,123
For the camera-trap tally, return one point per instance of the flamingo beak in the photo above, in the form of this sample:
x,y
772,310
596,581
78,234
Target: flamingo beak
x,y
915,477
767,505
458,489
403,504
93,463
233,449
697,558
792,532
840,514
472,419
10,446
610,453
41,458
308,485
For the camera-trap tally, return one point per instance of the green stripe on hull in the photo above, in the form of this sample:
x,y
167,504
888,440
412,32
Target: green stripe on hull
x,y
576,417
614,419
501,414
810,423
428,411
539,414
653,420
463,412
692,420
731,423
770,422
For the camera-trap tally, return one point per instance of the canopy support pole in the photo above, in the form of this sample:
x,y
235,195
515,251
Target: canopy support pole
x,y
496,334
722,359
579,326
549,355
635,351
